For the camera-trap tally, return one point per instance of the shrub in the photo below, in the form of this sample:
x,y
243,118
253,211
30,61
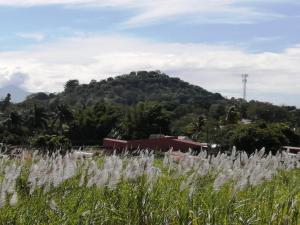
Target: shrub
x,y
50,142
258,135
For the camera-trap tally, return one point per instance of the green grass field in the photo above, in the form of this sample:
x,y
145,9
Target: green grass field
x,y
142,190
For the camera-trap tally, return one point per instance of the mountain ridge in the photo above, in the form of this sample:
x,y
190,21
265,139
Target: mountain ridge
x,y
129,89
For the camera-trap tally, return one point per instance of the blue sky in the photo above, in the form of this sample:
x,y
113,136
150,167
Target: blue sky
x,y
208,43
274,31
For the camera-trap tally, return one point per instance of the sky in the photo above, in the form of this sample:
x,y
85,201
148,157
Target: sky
x,y
210,43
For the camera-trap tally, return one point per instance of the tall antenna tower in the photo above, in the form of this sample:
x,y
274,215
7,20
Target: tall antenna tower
x,y
245,80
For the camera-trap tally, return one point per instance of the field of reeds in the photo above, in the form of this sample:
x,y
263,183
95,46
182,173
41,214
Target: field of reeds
x,y
148,189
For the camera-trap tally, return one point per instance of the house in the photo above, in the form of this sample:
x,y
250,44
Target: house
x,y
293,150
155,142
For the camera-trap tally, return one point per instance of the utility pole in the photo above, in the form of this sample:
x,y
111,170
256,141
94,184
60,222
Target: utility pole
x,y
245,80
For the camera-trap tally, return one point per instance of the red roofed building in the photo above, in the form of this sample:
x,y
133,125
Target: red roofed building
x,y
293,150
162,143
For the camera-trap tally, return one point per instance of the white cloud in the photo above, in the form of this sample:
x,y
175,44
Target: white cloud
x,y
149,11
216,68
15,78
32,36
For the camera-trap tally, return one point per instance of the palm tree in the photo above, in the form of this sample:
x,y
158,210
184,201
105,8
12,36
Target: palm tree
x,y
63,115
198,126
38,118
5,103
16,120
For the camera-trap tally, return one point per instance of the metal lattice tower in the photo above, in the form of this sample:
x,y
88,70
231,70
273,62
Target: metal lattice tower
x,y
245,80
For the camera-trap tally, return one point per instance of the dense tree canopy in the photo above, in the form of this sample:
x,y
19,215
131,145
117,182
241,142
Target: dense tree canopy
x,y
259,135
145,119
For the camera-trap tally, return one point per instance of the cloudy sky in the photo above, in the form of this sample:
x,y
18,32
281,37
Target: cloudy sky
x,y
210,43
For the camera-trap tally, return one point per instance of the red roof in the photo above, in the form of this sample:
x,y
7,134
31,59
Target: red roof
x,y
188,142
162,143
292,149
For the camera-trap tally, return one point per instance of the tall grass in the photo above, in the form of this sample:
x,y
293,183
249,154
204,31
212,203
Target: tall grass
x,y
236,189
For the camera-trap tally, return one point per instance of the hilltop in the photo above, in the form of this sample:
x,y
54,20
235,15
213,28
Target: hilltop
x,y
129,89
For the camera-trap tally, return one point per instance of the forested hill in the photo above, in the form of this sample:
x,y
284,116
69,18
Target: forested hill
x,y
133,88
139,104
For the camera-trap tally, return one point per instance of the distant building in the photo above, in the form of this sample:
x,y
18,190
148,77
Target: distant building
x,y
155,142
293,150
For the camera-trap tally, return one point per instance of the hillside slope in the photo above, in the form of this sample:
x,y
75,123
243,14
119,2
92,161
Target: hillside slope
x,y
130,89
134,87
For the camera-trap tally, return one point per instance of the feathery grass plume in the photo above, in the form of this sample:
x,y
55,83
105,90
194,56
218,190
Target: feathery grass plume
x,y
220,180
186,183
82,179
53,205
70,167
102,178
32,177
34,155
12,172
166,159
14,199
2,199
191,191
114,179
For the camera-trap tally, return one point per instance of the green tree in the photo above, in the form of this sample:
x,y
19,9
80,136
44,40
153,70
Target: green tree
x,y
92,124
256,136
16,120
50,143
198,126
71,85
5,103
63,115
38,118
232,116
146,118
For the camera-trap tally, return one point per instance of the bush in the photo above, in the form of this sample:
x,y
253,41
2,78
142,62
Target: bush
x,y
50,142
11,138
259,135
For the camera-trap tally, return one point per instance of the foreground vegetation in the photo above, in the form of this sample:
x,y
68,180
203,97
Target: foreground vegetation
x,y
177,189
